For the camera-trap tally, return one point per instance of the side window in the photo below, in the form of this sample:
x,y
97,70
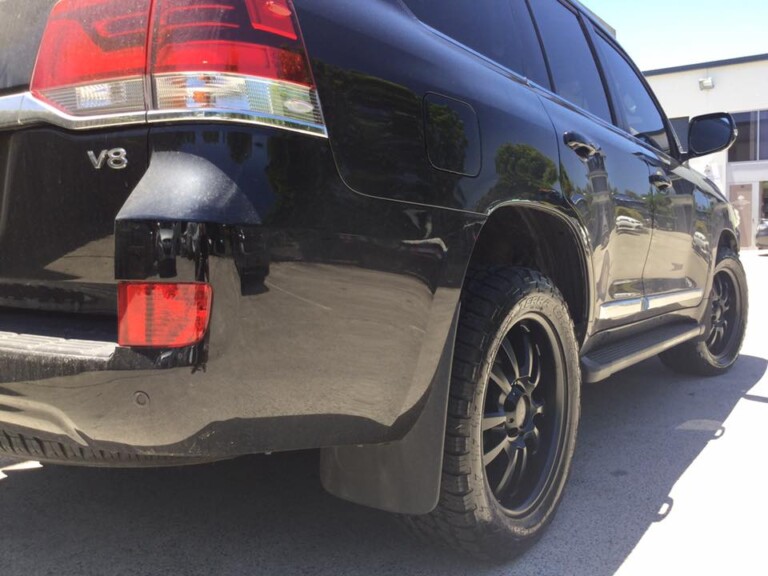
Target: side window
x,y
574,70
498,29
638,113
526,43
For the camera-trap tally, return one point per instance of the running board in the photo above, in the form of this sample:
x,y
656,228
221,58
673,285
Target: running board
x,y
606,361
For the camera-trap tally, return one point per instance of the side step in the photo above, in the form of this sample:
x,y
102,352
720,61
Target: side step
x,y
604,362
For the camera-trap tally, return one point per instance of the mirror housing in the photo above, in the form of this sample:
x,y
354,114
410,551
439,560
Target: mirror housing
x,y
710,133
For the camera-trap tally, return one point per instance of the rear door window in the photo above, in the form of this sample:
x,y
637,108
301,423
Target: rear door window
x,y
636,110
501,30
574,70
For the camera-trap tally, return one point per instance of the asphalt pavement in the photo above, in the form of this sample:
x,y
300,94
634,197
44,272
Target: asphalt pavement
x,y
669,477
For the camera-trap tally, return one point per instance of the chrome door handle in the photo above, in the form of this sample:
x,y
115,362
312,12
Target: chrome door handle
x,y
583,147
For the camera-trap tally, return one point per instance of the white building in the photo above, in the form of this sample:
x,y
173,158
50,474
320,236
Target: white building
x,y
738,86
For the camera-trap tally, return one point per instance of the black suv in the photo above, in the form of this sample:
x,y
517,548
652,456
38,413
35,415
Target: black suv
x,y
401,231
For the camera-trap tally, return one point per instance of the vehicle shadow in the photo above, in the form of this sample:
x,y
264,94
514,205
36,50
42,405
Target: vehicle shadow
x,y
268,515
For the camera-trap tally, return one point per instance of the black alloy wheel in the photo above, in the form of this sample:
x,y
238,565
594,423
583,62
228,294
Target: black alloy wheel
x,y
726,321
522,418
725,310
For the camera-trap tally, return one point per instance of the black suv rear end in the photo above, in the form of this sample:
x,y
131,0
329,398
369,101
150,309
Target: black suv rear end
x,y
396,231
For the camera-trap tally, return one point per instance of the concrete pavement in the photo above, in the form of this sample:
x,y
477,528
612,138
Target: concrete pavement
x,y
669,477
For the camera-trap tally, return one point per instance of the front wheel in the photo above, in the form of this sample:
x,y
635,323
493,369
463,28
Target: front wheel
x,y
513,415
727,324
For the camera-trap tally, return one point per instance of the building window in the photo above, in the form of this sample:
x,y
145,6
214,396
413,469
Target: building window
x,y
745,148
763,136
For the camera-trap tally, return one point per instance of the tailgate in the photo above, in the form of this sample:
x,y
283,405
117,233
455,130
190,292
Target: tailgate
x,y
59,196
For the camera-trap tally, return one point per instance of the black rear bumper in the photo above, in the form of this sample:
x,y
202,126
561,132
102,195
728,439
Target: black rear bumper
x,y
291,368
331,311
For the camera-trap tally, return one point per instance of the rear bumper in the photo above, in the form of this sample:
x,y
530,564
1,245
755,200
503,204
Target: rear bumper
x,y
307,364
328,355
331,311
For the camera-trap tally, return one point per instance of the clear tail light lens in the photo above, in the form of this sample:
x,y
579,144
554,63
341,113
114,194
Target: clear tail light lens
x,y
163,315
235,60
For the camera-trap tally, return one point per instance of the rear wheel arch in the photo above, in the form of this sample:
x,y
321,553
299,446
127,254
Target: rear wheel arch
x,y
545,240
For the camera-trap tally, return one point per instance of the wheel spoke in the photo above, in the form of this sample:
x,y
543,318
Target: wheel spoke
x,y
494,420
527,368
717,288
509,471
717,334
522,464
500,379
506,345
491,455
536,376
533,440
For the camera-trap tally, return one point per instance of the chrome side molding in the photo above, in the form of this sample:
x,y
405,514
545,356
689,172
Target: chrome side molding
x,y
625,308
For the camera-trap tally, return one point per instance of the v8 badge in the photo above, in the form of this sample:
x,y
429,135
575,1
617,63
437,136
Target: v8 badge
x,y
116,158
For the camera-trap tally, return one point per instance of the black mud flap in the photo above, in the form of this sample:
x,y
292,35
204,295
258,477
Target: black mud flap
x,y
404,476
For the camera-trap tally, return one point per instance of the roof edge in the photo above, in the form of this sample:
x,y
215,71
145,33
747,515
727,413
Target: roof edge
x,y
705,65
597,19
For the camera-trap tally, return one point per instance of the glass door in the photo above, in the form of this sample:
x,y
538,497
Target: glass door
x,y
740,196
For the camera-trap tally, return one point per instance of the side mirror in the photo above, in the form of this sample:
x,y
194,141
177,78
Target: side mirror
x,y
711,133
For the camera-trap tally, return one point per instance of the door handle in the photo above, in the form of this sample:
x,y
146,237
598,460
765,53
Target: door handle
x,y
661,181
583,147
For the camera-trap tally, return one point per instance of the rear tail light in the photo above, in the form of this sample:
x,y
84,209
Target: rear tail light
x,y
92,57
237,60
163,315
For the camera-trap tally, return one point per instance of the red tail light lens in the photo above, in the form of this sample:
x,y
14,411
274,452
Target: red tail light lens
x,y
221,57
92,57
273,16
163,315
240,60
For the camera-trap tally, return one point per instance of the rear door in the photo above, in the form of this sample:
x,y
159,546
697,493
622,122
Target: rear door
x,y
605,174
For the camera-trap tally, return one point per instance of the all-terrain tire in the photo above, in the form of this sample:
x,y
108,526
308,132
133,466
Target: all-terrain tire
x,y
505,312
718,350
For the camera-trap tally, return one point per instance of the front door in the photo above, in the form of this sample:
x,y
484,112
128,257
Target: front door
x,y
679,257
682,247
